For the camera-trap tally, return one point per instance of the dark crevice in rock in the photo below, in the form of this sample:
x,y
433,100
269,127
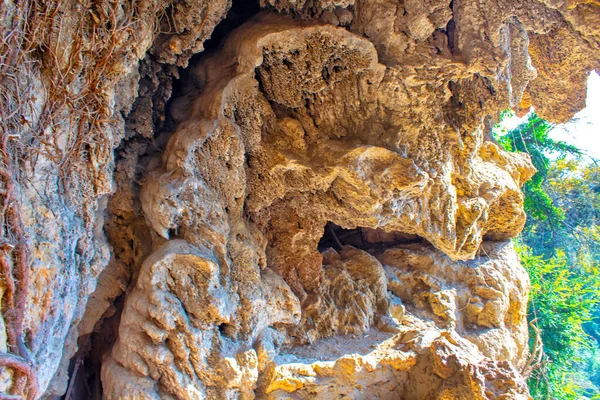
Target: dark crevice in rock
x,y
84,370
148,112
363,238
240,12
186,82
451,31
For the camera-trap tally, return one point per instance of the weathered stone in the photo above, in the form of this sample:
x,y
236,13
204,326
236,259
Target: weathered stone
x,y
198,244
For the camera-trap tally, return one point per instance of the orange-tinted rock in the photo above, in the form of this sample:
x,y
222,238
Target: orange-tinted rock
x,y
191,262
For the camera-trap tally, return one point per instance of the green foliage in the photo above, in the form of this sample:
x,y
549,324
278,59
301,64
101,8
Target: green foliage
x,y
575,188
532,137
563,298
560,248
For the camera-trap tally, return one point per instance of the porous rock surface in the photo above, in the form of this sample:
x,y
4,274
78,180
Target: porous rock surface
x,y
319,212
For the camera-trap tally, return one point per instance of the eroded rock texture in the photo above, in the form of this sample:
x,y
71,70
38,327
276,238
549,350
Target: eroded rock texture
x,y
318,211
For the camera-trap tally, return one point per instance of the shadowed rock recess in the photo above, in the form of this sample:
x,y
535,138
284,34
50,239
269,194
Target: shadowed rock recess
x,y
284,199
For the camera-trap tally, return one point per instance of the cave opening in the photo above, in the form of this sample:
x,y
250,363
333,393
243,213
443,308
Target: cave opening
x,y
240,12
367,239
184,81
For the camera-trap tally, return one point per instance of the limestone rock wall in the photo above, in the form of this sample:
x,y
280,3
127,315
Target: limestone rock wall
x,y
307,205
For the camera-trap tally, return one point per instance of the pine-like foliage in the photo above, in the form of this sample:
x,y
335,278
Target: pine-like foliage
x,y
560,248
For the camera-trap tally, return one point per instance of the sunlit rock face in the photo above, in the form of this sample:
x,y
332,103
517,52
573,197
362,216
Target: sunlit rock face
x,y
296,124
311,206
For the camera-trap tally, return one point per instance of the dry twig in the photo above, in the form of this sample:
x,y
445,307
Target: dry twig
x,y
535,360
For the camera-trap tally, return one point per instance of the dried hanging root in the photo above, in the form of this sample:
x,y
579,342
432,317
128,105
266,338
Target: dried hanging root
x,y
23,369
14,271
14,256
536,355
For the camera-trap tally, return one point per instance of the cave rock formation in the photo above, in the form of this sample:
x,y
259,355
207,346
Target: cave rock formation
x,y
284,199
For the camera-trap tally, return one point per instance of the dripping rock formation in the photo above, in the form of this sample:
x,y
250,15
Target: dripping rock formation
x,y
274,199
